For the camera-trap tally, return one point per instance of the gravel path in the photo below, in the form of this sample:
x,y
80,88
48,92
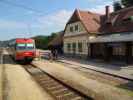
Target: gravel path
x,y
93,88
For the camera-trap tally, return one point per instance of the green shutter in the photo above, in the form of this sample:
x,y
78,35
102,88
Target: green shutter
x,y
131,17
80,47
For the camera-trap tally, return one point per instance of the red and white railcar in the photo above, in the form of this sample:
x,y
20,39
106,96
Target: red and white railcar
x,y
23,49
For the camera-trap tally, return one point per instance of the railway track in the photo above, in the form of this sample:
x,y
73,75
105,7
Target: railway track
x,y
57,89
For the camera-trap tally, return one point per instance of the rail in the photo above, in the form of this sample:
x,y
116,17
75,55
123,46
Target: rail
x,y
57,89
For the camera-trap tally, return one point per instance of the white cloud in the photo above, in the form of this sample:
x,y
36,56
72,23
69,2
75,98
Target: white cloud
x,y
56,19
44,24
53,22
101,7
9,24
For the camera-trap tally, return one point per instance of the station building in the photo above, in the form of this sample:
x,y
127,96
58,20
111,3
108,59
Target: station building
x,y
107,37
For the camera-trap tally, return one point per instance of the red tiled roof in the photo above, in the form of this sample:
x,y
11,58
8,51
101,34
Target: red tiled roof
x,y
91,21
24,40
117,21
96,23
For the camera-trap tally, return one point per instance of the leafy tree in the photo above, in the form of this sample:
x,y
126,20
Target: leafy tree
x,y
117,6
127,3
42,41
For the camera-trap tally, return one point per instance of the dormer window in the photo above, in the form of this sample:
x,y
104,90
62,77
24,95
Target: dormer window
x,y
128,19
131,17
71,29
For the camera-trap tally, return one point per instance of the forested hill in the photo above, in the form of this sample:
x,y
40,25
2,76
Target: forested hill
x,y
42,41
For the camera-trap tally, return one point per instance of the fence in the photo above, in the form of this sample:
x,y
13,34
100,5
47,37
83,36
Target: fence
x,y
43,54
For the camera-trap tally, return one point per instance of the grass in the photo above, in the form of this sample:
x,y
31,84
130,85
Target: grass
x,y
129,92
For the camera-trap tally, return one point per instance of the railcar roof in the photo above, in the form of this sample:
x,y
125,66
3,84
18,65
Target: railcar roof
x,y
23,40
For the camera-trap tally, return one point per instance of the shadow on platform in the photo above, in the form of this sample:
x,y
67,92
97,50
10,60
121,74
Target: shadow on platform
x,y
108,65
128,86
113,65
7,59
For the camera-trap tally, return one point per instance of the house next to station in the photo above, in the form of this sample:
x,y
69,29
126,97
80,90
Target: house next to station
x,y
108,37
57,43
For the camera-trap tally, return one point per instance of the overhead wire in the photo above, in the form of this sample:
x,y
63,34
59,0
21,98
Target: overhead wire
x,y
37,12
40,13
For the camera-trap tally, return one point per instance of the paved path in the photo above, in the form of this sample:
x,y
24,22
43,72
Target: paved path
x,y
92,88
0,82
1,79
20,86
124,71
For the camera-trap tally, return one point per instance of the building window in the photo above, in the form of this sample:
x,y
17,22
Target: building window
x,y
80,47
71,29
126,21
76,27
68,47
119,51
74,47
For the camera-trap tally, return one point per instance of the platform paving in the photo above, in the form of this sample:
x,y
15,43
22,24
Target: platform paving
x,y
1,82
120,70
92,88
19,85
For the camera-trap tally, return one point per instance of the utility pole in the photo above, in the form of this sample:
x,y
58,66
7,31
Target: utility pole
x,y
29,29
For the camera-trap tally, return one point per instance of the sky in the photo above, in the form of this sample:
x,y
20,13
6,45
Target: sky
x,y
27,18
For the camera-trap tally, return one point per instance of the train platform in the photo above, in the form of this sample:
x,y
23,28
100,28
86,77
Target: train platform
x,y
19,85
116,69
92,88
1,82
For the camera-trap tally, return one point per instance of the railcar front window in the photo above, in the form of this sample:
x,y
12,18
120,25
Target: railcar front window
x,y
30,46
24,46
20,46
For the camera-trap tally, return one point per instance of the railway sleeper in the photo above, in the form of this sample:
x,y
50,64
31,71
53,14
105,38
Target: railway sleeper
x,y
61,90
66,96
54,87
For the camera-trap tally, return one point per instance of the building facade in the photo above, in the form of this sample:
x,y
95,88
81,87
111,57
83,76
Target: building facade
x,y
76,39
108,37
77,33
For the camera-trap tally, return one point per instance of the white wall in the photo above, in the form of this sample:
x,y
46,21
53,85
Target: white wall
x,y
77,39
80,31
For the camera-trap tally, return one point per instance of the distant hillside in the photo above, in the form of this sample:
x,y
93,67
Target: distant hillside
x,y
42,41
4,43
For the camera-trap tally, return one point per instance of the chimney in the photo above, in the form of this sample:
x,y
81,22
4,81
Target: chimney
x,y
107,12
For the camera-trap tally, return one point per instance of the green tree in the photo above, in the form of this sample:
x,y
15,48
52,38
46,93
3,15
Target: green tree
x,y
127,3
117,6
42,41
